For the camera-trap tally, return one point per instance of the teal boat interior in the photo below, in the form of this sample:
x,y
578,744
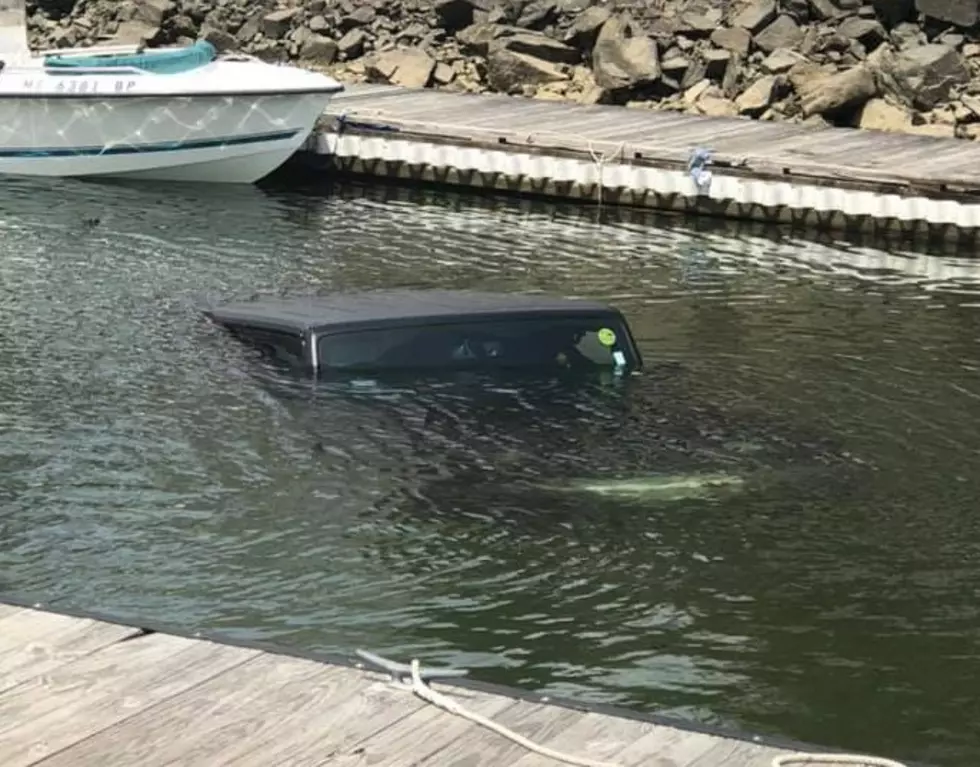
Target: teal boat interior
x,y
163,61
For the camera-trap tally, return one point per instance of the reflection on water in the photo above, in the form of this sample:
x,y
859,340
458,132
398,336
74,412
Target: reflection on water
x,y
151,467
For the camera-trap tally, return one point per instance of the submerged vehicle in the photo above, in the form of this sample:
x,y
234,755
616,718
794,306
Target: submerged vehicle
x,y
481,397
433,330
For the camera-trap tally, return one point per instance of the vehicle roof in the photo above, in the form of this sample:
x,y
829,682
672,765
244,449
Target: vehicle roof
x,y
316,313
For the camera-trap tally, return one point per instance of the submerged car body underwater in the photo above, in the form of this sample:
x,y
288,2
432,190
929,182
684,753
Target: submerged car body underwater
x,y
656,488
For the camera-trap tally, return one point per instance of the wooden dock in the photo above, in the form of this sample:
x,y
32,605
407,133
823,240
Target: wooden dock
x,y
77,691
912,186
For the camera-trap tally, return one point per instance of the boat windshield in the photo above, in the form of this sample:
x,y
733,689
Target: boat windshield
x,y
578,343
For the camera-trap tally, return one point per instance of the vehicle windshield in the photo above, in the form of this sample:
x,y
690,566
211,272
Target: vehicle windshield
x,y
574,343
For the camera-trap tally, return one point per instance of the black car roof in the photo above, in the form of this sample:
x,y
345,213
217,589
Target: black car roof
x,y
383,307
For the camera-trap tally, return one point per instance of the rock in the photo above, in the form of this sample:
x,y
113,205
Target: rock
x,y
715,106
962,13
443,74
277,23
878,114
868,32
624,57
696,25
537,14
351,45
538,46
781,33
508,71
135,33
319,49
736,39
152,12
407,67
757,97
759,14
782,60
318,24
922,76
824,10
476,38
221,40
362,16
830,94
585,28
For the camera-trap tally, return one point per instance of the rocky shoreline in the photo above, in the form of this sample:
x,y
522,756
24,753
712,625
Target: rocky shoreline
x,y
908,66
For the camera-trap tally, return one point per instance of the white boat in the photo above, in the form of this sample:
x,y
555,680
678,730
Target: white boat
x,y
175,114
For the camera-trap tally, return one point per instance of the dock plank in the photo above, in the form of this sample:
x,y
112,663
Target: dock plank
x,y
482,746
242,715
429,729
33,643
78,699
593,736
736,753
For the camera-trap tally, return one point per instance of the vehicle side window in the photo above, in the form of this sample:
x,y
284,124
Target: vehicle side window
x,y
276,346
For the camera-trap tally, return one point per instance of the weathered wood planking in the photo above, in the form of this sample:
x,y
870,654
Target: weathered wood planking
x,y
115,696
666,135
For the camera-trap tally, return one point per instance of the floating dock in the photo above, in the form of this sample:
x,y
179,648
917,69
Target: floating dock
x,y
915,187
78,691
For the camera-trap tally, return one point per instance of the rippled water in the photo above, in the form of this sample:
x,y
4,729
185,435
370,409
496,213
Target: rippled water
x,y
149,469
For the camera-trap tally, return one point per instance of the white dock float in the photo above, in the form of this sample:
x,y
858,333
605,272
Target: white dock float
x,y
869,182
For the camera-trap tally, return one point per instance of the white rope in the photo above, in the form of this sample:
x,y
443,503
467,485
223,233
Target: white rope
x,y
792,760
427,693
420,688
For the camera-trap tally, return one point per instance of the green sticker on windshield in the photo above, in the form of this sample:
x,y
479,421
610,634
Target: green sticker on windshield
x,y
607,337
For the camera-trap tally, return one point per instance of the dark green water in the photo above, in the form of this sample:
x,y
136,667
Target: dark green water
x,y
149,471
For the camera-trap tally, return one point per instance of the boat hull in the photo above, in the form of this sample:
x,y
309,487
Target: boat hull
x,y
211,138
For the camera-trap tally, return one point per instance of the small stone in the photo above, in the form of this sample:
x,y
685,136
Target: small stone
x,y
736,39
782,33
443,74
715,106
757,97
781,60
277,23
696,25
756,16
318,24
866,31
352,44
878,114
319,49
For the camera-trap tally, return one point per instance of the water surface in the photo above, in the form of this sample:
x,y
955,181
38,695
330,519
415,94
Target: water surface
x,y
150,468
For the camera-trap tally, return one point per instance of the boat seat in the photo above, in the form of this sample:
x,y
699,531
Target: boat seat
x,y
162,61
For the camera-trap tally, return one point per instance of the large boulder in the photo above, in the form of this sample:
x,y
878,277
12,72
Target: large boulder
x,y
624,56
824,93
538,46
407,67
509,71
921,76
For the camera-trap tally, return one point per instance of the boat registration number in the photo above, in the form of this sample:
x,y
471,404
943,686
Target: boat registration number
x,y
71,84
